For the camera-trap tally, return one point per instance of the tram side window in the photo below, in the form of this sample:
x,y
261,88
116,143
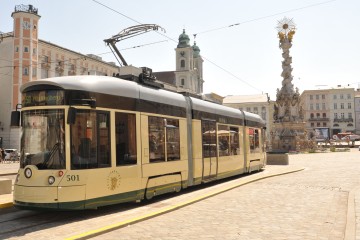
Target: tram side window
x,y
156,139
172,139
224,140
209,138
164,132
125,135
234,141
90,140
254,139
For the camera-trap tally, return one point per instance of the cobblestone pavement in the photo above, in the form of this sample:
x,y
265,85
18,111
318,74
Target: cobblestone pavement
x,y
310,204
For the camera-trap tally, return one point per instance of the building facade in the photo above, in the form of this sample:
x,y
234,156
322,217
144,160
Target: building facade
x,y
330,108
25,57
357,111
188,74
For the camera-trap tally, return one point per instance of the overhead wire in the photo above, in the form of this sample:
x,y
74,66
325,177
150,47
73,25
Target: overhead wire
x,y
231,25
264,17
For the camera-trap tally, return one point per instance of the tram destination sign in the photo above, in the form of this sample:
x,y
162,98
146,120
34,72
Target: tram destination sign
x,y
43,98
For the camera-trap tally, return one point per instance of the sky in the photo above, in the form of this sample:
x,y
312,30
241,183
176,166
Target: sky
x,y
237,38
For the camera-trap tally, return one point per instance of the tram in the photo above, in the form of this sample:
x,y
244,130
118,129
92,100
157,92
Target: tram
x,y
92,141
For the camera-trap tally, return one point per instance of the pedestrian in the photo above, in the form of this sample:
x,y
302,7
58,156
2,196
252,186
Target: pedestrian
x,y
2,155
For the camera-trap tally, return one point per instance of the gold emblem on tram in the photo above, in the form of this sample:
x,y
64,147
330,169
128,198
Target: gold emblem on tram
x,y
113,180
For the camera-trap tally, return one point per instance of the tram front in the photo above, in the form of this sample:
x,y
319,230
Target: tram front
x,y
41,180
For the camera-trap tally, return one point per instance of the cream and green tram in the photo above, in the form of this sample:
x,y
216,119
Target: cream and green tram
x,y
91,141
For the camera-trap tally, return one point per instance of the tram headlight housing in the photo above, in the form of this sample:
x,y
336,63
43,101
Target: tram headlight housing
x,y
28,172
51,180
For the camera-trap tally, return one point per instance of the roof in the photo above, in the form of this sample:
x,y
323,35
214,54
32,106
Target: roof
x,y
259,98
166,77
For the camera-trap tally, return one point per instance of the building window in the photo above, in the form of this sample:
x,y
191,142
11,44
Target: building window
x,y
248,109
342,115
334,96
323,96
182,82
317,97
263,115
255,110
350,115
318,124
17,49
324,124
323,106
317,105
311,97
26,49
311,115
341,96
348,96
342,106
317,115
26,71
335,105
44,73
182,63
34,51
335,115
311,106
324,115
34,72
349,105
312,124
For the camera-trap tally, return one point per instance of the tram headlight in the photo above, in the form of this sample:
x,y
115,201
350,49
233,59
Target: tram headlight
x,y
51,180
28,173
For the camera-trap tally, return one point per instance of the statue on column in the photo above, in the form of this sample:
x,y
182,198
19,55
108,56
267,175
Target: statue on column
x,y
287,100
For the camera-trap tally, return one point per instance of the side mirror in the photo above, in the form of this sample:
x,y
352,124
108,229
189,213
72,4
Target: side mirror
x,y
15,119
71,115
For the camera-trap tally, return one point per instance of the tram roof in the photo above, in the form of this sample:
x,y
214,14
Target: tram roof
x,y
120,87
224,110
110,85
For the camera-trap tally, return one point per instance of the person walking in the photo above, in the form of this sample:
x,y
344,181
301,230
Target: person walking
x,y
2,155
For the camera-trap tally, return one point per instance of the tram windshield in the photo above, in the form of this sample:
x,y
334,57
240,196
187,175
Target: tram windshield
x,y
42,139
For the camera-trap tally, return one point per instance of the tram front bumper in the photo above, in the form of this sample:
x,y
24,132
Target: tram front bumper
x,y
55,197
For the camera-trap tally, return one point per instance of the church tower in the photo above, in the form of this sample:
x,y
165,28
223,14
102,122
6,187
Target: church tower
x,y
188,74
25,56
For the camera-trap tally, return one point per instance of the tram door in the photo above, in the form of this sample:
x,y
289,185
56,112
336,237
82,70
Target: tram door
x,y
209,149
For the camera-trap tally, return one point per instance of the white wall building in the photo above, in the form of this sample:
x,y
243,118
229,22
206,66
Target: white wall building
x,y
332,108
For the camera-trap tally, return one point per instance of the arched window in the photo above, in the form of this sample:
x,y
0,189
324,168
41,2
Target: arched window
x,y
311,115
182,63
336,125
350,125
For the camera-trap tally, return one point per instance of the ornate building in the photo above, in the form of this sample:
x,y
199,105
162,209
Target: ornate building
x,y
188,76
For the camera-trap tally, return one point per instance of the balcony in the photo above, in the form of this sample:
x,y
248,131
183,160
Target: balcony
x,y
343,120
319,119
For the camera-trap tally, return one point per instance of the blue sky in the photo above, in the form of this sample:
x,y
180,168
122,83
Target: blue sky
x,y
239,60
